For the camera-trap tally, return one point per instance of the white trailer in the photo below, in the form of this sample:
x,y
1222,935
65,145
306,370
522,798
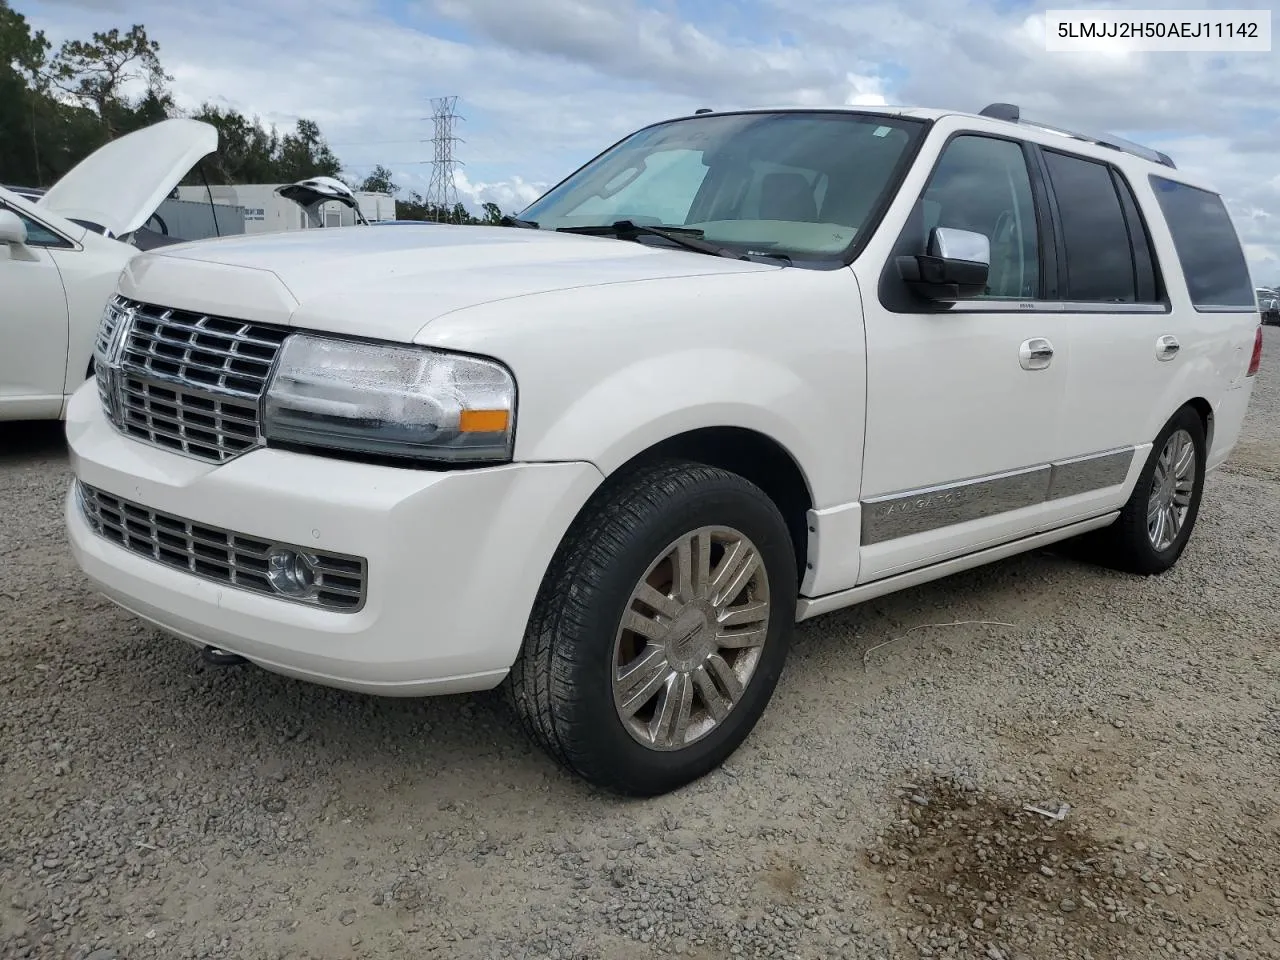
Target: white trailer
x,y
266,211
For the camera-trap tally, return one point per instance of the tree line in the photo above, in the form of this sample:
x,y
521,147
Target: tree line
x,y
58,106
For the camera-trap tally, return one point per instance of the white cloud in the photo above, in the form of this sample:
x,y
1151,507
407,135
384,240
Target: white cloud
x,y
864,91
545,84
510,195
1261,256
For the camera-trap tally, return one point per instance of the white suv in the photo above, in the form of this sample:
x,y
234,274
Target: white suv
x,y
739,370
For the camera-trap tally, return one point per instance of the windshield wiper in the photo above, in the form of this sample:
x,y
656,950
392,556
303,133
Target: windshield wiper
x,y
752,254
687,237
517,222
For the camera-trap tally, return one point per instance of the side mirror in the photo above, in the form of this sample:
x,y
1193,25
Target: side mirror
x,y
12,229
955,268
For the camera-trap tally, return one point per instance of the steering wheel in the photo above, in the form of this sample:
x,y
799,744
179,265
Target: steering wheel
x,y
164,227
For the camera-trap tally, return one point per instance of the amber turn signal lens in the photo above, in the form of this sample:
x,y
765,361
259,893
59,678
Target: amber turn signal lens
x,y
483,421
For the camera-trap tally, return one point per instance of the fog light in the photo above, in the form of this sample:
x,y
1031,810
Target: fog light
x,y
292,573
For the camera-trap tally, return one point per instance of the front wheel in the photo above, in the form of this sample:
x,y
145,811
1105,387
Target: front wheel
x,y
660,630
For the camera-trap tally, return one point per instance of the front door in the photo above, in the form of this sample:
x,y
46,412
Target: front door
x,y
963,400
33,326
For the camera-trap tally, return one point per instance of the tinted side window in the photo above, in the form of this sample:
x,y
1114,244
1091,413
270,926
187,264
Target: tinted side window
x,y
1094,231
1207,245
38,235
982,184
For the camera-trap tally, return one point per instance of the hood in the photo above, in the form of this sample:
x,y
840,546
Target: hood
x,y
120,185
388,284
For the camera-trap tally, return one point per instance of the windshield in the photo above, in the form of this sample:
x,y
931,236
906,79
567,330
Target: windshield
x,y
800,184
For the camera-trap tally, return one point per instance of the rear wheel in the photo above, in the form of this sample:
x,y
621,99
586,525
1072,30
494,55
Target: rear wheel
x,y
660,629
1155,524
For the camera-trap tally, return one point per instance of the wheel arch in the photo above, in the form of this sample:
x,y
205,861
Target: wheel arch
x,y
751,454
1204,409
778,436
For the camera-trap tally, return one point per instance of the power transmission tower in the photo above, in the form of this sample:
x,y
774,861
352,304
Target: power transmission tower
x,y
442,194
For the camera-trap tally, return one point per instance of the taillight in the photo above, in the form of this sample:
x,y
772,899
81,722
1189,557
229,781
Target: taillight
x,y
1256,360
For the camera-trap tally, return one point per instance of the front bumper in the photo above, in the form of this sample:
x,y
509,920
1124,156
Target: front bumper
x,y
453,559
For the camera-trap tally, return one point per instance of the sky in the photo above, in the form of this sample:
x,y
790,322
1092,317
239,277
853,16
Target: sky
x,y
544,85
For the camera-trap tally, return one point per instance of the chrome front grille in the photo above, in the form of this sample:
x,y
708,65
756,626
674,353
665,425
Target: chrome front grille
x,y
220,555
186,381
103,349
191,422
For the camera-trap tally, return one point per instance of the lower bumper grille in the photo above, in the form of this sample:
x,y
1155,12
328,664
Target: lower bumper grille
x,y
320,579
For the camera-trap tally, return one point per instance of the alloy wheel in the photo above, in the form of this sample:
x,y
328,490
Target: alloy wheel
x,y
691,637
1172,486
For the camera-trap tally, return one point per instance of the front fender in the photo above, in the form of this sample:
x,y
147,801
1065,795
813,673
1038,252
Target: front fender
x,y
605,372
649,400
89,277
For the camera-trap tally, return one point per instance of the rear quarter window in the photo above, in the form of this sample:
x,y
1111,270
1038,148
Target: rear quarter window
x,y
1207,245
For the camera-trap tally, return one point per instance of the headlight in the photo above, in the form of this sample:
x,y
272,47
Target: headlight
x,y
385,399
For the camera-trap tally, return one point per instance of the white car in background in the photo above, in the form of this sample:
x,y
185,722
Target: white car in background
x,y
61,255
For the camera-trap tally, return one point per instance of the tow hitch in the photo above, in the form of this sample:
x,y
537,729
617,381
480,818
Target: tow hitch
x,y
221,658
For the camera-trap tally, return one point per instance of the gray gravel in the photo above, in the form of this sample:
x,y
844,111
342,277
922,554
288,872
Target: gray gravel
x,y
151,807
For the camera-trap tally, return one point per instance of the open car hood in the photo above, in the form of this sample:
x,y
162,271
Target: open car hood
x,y
122,183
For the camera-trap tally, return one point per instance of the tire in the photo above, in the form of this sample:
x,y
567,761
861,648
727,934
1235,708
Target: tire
x,y
1129,544
566,681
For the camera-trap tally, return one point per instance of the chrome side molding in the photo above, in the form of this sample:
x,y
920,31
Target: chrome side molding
x,y
896,515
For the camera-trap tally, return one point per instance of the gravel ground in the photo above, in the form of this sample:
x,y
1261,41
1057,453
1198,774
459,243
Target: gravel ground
x,y
151,807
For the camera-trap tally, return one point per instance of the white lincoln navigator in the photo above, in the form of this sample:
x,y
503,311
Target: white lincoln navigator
x,y
739,370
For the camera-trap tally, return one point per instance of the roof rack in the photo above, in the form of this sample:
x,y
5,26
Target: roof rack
x,y
1011,113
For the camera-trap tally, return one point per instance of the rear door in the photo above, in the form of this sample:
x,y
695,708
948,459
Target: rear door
x,y
1123,336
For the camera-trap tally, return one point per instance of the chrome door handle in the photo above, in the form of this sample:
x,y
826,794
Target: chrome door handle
x,y
1035,354
1167,347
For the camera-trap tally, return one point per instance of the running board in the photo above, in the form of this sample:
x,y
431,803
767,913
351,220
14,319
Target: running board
x,y
812,607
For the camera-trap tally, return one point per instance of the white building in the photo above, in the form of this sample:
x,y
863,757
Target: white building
x,y
266,211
